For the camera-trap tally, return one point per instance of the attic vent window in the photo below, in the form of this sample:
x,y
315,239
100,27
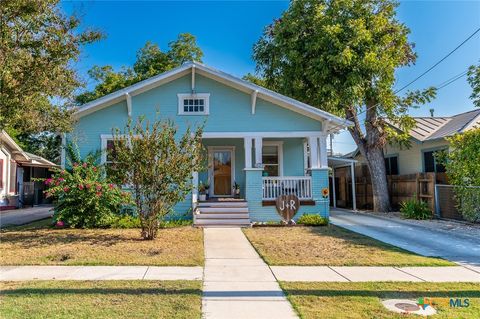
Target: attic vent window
x,y
193,104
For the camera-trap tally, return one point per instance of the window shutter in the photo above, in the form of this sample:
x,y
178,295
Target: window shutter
x,y
428,162
13,177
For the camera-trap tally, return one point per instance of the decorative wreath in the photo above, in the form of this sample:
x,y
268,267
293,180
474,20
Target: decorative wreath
x,y
325,192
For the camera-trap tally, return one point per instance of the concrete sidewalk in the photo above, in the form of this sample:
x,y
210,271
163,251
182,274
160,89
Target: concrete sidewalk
x,y
237,283
364,274
20,273
24,215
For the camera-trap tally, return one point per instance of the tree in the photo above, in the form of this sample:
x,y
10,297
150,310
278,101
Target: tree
x,y
463,170
157,165
341,55
474,81
37,80
150,62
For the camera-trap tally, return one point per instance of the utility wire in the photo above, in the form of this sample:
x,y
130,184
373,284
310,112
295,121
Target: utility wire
x,y
440,61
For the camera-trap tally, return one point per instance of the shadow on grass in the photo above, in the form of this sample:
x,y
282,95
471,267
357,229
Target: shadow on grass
x,y
98,291
382,293
359,240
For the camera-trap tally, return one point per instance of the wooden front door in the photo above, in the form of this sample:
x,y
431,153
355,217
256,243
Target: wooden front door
x,y
222,161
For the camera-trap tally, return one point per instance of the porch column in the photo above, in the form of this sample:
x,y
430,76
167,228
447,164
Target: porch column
x,y
313,143
258,151
354,196
334,194
323,151
195,189
247,142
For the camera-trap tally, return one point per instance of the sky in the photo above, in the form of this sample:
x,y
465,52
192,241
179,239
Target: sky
x,y
227,30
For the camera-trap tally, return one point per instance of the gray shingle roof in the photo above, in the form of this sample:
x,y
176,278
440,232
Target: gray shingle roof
x,y
431,128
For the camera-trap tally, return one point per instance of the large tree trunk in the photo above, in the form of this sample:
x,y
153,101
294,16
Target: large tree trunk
x,y
378,175
371,147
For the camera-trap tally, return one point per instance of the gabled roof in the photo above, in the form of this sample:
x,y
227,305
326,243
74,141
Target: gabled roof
x,y
337,123
433,128
22,157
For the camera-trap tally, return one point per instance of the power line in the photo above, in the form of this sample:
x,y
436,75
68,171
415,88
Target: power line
x,y
440,61
447,83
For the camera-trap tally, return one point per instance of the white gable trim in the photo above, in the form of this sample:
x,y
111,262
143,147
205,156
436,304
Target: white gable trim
x,y
221,77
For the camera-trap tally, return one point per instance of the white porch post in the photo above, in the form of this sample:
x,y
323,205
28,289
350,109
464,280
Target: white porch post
x,y
313,143
247,142
354,196
195,188
323,151
258,150
334,194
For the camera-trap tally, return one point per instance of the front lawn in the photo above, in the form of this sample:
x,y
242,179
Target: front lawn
x,y
40,244
101,299
363,300
330,246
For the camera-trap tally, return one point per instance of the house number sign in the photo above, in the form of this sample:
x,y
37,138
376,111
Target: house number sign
x,y
287,206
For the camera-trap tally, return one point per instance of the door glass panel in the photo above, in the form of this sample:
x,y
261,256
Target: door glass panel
x,y
222,172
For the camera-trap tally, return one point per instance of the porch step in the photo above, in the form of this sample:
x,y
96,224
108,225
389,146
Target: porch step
x,y
221,210
222,213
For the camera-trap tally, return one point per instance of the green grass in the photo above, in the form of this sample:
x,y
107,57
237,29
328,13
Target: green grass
x,y
331,246
100,299
39,243
363,300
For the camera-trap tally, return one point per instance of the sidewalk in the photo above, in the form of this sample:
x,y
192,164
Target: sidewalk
x,y
237,283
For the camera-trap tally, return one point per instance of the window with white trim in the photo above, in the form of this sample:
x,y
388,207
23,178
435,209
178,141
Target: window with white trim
x,y
193,104
272,158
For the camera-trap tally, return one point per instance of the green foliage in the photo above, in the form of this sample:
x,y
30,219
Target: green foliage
x,y
474,81
158,165
37,80
172,223
84,198
341,56
125,221
415,209
463,170
312,220
150,61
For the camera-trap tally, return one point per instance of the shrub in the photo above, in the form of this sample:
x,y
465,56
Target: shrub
x,y
415,209
126,221
84,198
175,223
312,220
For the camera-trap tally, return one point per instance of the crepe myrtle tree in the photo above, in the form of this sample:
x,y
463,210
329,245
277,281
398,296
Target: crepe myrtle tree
x,y
341,56
157,164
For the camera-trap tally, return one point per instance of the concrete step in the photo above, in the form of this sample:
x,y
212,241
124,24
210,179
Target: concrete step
x,y
223,204
223,209
222,216
223,221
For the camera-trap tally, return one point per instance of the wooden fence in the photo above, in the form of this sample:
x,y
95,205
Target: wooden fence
x,y
401,188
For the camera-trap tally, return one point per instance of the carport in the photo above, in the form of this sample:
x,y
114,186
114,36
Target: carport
x,y
341,162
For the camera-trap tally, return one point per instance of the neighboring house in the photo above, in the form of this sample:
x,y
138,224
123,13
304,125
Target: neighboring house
x,y
427,137
265,142
17,169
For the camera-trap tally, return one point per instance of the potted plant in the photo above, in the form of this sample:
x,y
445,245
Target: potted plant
x,y
201,189
236,189
207,187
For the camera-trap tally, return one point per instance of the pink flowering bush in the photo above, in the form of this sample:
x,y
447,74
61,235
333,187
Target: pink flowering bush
x,y
84,198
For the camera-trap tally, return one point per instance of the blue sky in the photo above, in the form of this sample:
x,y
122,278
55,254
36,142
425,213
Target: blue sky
x,y
227,30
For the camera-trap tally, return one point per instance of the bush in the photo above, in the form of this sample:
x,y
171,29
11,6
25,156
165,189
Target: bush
x,y
415,209
84,198
312,220
175,223
126,221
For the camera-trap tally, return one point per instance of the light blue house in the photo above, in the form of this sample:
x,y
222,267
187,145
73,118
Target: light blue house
x,y
264,142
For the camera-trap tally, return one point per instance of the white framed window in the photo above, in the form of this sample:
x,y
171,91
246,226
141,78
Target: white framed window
x,y
272,158
193,104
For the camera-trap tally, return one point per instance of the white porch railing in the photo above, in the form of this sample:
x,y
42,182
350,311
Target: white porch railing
x,y
301,186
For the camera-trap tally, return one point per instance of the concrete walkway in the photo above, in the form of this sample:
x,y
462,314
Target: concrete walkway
x,y
20,273
426,241
237,283
24,215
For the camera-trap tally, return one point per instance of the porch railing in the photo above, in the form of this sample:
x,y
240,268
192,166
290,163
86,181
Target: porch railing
x,y
301,186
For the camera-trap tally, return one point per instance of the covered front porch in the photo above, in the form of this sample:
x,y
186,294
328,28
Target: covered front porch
x,y
259,169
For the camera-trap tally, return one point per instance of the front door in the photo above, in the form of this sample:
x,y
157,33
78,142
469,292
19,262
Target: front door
x,y
222,161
